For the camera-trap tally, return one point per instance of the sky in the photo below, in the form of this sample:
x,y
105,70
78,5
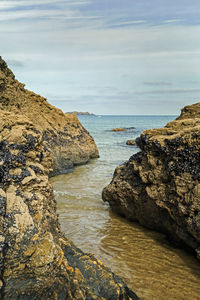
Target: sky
x,y
123,57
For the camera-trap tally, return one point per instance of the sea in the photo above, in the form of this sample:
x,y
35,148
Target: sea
x,y
148,263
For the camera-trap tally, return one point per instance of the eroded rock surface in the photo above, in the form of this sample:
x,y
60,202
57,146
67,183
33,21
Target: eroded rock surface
x,y
131,142
69,143
36,260
160,185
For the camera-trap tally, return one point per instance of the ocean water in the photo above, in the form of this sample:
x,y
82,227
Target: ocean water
x,y
112,145
152,267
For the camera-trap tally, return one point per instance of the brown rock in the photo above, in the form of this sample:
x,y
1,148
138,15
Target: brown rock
x,y
119,129
123,129
69,143
36,260
131,142
160,186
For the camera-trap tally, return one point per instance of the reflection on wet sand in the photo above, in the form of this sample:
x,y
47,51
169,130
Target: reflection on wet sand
x,y
148,264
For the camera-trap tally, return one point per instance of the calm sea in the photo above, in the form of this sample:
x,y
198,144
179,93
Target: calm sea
x,y
112,145
143,258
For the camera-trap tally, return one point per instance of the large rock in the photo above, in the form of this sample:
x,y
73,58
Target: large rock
x,y
69,143
36,260
160,186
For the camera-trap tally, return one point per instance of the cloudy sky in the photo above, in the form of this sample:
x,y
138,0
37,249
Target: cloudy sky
x,y
105,56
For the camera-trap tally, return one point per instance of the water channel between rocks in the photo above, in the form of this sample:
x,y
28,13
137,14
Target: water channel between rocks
x,y
144,259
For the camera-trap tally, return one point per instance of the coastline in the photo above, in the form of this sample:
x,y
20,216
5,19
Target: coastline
x,y
145,259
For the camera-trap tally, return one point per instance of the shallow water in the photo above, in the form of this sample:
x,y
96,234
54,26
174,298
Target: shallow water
x,y
143,258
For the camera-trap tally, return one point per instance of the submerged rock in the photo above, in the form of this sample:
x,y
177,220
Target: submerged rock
x,y
36,260
118,129
63,135
123,129
160,185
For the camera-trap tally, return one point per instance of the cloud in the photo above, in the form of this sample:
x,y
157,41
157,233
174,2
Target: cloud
x,y
44,9
42,14
73,50
171,91
77,3
15,63
134,22
24,4
158,83
172,21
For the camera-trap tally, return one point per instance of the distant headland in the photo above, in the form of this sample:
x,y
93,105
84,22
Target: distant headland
x,y
80,113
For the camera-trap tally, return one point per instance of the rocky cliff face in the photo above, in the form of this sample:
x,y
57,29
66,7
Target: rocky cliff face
x,y
36,260
160,185
63,135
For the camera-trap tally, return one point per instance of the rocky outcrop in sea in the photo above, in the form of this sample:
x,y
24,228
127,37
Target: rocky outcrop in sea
x,y
159,186
36,260
131,142
123,129
63,135
81,113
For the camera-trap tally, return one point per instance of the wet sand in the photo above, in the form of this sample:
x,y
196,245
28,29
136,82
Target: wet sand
x,y
144,259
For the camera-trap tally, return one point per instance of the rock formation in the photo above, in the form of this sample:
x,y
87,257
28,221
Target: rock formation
x,y
123,129
81,113
36,260
63,135
131,142
118,129
160,185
